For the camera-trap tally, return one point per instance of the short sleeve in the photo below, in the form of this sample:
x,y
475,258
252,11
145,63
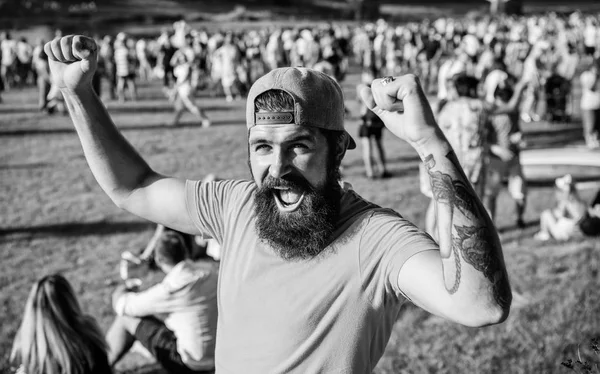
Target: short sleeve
x,y
388,241
209,203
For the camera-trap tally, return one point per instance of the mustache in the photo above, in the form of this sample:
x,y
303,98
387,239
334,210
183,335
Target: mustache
x,y
288,181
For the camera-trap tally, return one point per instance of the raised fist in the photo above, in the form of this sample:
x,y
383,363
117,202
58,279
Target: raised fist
x,y
73,61
402,106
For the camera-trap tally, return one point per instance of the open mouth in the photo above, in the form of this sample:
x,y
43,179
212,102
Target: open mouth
x,y
287,199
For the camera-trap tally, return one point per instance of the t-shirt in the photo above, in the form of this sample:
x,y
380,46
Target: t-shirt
x,y
187,295
9,51
464,122
503,127
333,313
124,61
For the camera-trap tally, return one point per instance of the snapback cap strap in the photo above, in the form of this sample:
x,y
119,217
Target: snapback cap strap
x,y
271,118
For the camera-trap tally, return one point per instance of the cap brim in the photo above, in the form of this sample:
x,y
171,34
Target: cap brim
x,y
351,143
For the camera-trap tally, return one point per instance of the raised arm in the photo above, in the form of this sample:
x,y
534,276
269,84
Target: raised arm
x,y
119,169
466,281
514,101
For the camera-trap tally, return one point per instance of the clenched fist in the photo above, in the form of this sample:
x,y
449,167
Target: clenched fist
x,y
402,106
73,61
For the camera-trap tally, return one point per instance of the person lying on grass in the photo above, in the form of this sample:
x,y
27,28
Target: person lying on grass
x,y
312,276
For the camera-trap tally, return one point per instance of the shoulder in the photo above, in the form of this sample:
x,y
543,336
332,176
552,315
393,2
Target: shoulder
x,y
380,217
223,188
389,237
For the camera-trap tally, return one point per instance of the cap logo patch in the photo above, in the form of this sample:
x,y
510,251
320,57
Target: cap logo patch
x,y
270,118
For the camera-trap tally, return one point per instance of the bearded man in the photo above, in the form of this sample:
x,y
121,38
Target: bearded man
x,y
312,275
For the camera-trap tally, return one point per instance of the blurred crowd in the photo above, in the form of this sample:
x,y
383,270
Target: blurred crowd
x,y
546,50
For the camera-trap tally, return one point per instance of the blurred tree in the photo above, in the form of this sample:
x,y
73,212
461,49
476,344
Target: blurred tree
x,y
514,7
365,9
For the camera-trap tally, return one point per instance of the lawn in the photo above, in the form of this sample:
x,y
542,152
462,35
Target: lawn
x,y
55,218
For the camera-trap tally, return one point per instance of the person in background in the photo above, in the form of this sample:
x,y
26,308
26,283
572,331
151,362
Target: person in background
x,y
24,57
42,69
182,94
8,60
55,336
125,62
506,141
369,132
184,342
590,105
429,57
106,64
561,221
165,54
533,72
141,52
228,57
465,121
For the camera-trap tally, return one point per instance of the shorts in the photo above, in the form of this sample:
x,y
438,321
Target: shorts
x,y
130,76
228,78
162,344
498,170
589,50
365,131
185,90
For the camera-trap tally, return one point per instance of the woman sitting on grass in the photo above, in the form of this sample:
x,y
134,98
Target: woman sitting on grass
x,y
562,221
55,337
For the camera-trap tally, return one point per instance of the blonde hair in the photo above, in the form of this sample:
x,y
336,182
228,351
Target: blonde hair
x,y
55,337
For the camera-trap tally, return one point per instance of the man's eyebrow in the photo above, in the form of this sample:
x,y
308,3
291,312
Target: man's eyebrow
x,y
259,141
300,138
297,138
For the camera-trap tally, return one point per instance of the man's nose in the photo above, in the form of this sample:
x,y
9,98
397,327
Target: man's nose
x,y
280,165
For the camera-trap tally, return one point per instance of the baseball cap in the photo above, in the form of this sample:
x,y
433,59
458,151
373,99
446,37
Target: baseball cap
x,y
318,100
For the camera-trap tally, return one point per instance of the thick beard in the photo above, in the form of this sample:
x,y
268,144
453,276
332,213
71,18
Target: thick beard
x,y
304,233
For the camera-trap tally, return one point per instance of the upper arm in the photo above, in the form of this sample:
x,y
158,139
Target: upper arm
x,y
162,200
421,280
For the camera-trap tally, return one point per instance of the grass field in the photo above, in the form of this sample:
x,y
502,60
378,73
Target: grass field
x,y
55,218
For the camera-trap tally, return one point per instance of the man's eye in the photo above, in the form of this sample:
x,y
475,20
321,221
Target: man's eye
x,y
300,146
262,148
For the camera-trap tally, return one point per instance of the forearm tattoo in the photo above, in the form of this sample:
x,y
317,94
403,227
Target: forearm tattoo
x,y
475,243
